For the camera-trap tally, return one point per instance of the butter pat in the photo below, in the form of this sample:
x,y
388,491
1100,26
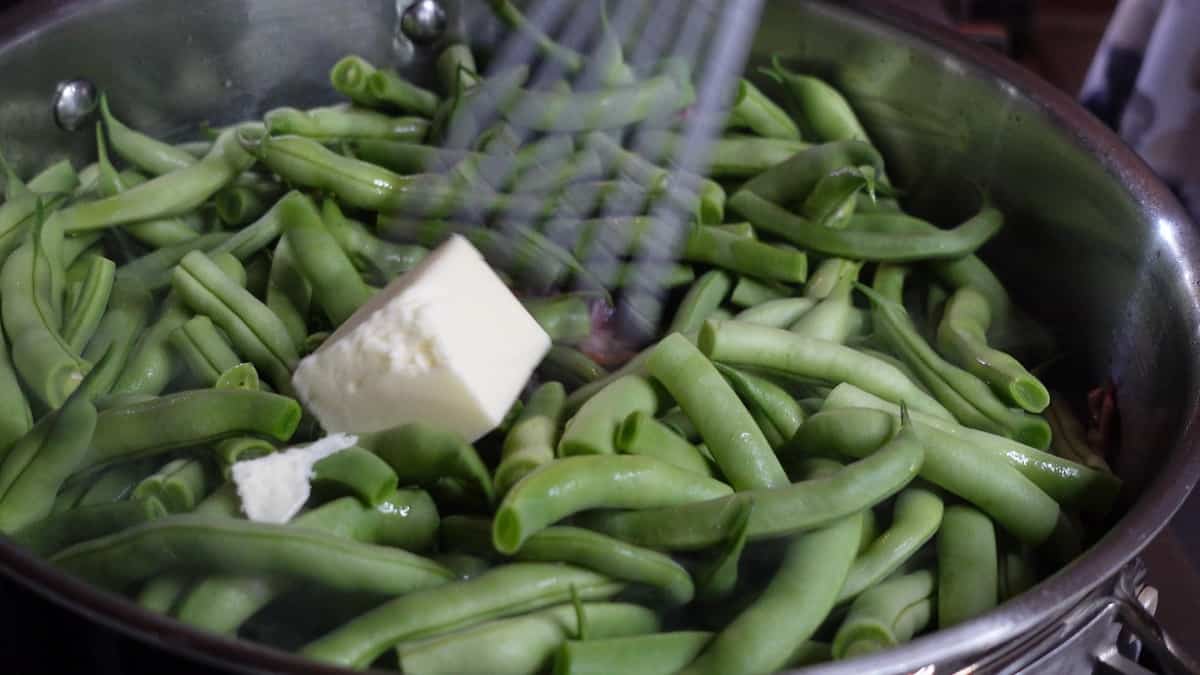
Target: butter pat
x,y
447,344
274,488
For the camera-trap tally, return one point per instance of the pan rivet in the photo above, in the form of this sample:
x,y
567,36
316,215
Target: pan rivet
x,y
424,21
74,103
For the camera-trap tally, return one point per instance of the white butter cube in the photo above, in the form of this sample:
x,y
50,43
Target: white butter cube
x,y
447,344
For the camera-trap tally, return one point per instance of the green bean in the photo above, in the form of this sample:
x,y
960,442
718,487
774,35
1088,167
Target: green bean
x,y
565,318
204,349
253,329
504,591
148,154
710,194
356,472
829,275
407,158
732,156
151,365
39,462
885,615
233,450
420,453
752,109
156,232
610,557
834,198
337,287
454,60
289,295
779,313
981,478
791,608
965,395
57,531
795,180
740,450
153,270
743,344
522,645
834,318
349,77
387,86
592,428
1070,484
745,256
238,205
761,394
967,566
916,516
189,418
1016,573
32,279
531,440
641,434
370,254
655,654
180,484
566,486
116,483
671,276
208,544
749,292
943,244
18,215
83,316
405,519
507,12
126,316
464,566
341,122
161,594
777,512
171,194
16,417
823,112
717,578
704,297
570,366
962,337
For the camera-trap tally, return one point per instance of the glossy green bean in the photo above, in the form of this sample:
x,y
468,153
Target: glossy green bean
x,y
962,338
701,300
754,110
170,194
970,399
208,544
1071,484
744,256
822,111
733,438
222,603
777,512
349,77
32,280
39,462
337,286
83,316
388,87
155,232
420,454
592,428
743,344
189,418
968,581
339,122
943,244
57,531
612,558
730,156
146,153
565,318
885,615
522,645
204,349
531,440
655,654
916,516
408,158
503,591
759,393
641,434
357,472
794,604
566,486
253,329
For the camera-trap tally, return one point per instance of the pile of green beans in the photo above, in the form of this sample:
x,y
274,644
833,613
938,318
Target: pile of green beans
x,y
819,450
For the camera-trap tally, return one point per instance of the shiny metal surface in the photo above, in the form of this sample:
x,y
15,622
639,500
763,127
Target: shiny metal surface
x,y
424,21
74,103
1095,245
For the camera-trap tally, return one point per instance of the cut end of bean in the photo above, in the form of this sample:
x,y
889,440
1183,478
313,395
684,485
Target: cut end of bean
x,y
1034,432
507,536
1030,394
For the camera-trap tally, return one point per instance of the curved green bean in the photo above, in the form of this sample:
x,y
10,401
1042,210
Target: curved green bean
x,y
565,318
730,156
916,517
571,367
204,349
84,314
754,110
146,153
57,531
885,615
761,394
968,577
370,254
531,440
641,434
822,110
358,472
421,454
387,86
701,300
591,430
338,289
